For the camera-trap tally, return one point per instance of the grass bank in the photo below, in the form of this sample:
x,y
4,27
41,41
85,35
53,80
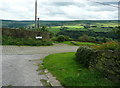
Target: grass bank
x,y
64,67
79,43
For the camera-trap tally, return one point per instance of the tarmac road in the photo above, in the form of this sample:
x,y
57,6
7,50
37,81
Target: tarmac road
x,y
18,70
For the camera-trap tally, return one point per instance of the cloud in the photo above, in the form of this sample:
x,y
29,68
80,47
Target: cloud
x,y
58,10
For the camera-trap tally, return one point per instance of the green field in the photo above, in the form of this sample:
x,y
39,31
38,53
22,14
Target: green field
x,y
75,27
64,67
98,28
54,29
110,24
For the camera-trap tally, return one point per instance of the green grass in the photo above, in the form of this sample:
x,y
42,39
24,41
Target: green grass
x,y
68,42
64,67
74,26
56,29
107,24
80,43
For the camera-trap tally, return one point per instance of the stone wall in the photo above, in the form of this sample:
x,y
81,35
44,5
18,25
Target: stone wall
x,y
24,33
108,62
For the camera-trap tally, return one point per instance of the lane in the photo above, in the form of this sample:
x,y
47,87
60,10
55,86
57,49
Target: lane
x,y
17,67
19,71
57,48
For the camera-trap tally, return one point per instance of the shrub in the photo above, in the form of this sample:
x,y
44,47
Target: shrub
x,y
102,39
61,38
86,38
54,38
118,33
44,28
84,55
113,45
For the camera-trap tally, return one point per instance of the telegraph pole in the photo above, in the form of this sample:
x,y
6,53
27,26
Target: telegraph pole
x,y
38,24
35,14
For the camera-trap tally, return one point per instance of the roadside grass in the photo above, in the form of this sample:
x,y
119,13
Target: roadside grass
x,y
68,42
64,67
79,43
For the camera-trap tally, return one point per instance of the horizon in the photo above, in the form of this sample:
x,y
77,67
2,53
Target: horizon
x,y
56,20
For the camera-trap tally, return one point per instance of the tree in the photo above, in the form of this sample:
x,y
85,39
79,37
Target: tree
x,y
44,28
86,38
21,28
61,38
118,32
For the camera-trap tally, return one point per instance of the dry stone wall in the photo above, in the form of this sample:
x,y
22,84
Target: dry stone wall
x,y
108,62
24,33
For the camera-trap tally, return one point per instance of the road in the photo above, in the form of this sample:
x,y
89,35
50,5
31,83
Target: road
x,y
17,67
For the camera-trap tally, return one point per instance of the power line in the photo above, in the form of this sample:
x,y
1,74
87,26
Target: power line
x,y
105,4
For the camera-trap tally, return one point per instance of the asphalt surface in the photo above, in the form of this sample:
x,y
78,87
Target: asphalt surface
x,y
17,67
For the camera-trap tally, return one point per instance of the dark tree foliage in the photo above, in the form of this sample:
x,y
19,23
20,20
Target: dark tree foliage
x,y
77,34
118,32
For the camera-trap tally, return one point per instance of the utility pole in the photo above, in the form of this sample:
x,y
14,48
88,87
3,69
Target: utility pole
x,y
35,14
38,23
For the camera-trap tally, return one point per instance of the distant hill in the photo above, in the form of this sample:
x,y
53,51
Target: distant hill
x,y
18,24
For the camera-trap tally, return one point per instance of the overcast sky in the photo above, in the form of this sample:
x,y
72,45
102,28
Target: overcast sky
x,y
58,10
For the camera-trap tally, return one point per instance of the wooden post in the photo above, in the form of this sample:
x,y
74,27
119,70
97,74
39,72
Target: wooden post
x,y
35,14
38,23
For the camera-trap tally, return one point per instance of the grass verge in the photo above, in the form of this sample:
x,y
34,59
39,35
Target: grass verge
x,y
64,67
79,43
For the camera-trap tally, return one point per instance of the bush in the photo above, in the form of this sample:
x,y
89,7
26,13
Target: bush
x,y
84,55
86,38
61,38
113,45
102,39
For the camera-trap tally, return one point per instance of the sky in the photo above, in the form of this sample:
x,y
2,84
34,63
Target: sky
x,y
58,10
